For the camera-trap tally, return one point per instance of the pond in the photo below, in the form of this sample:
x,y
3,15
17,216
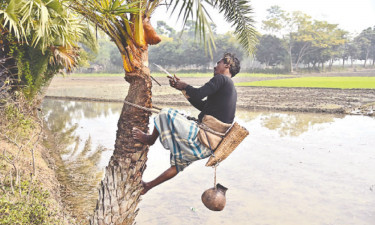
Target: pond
x,y
293,168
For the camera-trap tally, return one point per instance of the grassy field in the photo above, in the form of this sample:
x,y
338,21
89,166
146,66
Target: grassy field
x,y
177,74
317,82
313,82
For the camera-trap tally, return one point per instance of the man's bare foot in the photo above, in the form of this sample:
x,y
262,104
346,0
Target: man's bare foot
x,y
141,136
146,187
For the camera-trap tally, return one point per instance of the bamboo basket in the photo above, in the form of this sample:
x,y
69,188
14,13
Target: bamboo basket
x,y
232,139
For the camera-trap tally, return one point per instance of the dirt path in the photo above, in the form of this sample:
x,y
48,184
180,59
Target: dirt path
x,y
254,98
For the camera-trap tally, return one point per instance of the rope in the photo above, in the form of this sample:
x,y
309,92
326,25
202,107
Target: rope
x,y
215,176
206,128
141,107
201,125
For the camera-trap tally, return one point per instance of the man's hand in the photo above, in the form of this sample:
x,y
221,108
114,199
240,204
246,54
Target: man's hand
x,y
175,82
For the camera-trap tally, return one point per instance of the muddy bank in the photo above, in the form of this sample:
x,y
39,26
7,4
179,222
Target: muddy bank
x,y
27,175
322,100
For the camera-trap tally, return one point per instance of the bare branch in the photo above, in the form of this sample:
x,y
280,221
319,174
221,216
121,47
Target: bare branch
x,y
11,181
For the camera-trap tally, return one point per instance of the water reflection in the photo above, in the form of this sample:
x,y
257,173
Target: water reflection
x,y
294,168
294,124
287,124
76,158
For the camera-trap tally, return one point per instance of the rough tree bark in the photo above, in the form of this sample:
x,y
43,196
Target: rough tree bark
x,y
121,187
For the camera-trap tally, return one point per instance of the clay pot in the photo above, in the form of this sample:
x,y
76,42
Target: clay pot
x,y
151,37
214,198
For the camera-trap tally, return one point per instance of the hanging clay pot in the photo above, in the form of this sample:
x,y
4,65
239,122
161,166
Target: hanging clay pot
x,y
151,37
214,198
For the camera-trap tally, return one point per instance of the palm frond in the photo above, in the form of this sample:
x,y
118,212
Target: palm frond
x,y
89,40
109,16
8,18
64,56
195,10
151,7
238,12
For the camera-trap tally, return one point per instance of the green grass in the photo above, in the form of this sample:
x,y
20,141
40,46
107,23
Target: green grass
x,y
317,82
177,74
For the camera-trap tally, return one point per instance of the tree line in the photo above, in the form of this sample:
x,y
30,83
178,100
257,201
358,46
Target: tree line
x,y
296,40
179,50
292,41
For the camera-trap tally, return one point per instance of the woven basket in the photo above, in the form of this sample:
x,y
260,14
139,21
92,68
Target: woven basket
x,y
232,139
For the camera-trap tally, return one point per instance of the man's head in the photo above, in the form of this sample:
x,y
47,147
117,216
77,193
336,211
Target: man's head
x,y
228,64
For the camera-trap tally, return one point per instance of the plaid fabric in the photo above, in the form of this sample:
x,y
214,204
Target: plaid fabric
x,y
179,135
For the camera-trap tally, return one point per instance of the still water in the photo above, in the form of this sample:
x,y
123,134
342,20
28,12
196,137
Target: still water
x,y
293,168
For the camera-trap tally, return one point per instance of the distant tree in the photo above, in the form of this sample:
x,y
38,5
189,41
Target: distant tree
x,y
166,54
366,44
371,36
183,49
106,55
270,51
116,61
372,51
336,42
329,38
228,43
304,37
193,54
282,23
343,52
353,51
103,57
163,29
319,37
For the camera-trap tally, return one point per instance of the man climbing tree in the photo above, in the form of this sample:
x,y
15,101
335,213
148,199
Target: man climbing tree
x,y
180,135
127,23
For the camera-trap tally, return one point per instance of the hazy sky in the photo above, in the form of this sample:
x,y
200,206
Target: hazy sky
x,y
351,15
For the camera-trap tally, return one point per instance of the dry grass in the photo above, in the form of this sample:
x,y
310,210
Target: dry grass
x,y
26,177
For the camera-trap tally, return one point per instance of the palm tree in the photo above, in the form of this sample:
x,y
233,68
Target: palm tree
x,y
127,23
46,25
47,29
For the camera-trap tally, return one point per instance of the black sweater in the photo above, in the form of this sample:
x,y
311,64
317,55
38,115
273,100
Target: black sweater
x,y
221,98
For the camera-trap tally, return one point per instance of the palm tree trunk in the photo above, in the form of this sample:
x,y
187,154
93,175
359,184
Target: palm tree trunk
x,y
120,189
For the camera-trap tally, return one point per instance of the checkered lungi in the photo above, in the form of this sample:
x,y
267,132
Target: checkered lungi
x,y
179,135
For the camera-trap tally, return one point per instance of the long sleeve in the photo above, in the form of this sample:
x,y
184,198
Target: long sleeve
x,y
197,94
197,103
221,98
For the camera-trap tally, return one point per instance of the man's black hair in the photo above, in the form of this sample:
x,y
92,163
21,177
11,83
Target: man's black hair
x,y
233,62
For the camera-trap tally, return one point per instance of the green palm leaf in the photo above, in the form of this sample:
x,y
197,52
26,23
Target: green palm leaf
x,y
47,24
194,9
237,12
107,15
8,17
